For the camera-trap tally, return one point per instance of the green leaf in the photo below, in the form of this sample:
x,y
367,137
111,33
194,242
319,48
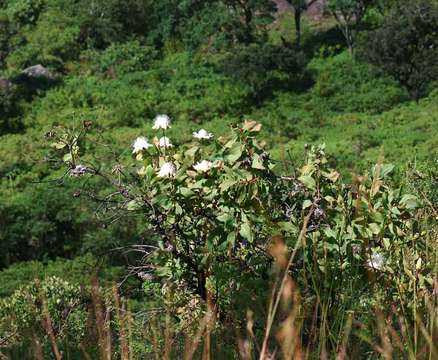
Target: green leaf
x,y
257,163
67,157
133,205
210,244
186,192
409,201
178,209
245,232
59,145
288,227
308,181
163,201
395,211
224,217
150,171
223,246
306,204
330,233
375,228
225,185
235,153
386,169
230,143
308,169
192,151
333,176
142,171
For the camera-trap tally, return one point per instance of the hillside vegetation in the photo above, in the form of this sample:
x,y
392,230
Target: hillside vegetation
x,y
299,223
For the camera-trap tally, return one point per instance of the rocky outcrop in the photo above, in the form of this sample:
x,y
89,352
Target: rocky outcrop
x,y
282,5
37,72
314,11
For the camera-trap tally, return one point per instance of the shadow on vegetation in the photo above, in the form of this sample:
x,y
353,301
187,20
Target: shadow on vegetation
x,y
14,92
326,43
29,87
265,69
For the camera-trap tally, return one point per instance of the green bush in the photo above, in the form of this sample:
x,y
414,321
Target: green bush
x,y
23,12
54,227
76,272
186,87
121,59
263,68
24,313
344,85
52,42
405,46
9,109
191,89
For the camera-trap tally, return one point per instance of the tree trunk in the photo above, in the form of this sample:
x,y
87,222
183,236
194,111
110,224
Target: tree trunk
x,y
297,16
349,39
202,285
248,23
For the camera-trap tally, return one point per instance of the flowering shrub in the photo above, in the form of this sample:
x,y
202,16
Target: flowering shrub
x,y
214,205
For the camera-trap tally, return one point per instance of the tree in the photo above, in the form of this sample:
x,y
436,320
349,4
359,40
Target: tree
x,y
218,23
349,15
252,14
299,7
208,218
406,46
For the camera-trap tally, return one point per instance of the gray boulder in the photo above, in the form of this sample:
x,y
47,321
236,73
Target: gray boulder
x,y
37,72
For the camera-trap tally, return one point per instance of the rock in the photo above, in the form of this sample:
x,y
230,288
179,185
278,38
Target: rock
x,y
314,11
37,72
283,5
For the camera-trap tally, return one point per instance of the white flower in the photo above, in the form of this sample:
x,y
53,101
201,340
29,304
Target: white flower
x,y
167,170
203,166
376,261
202,134
141,143
145,276
164,142
161,122
79,170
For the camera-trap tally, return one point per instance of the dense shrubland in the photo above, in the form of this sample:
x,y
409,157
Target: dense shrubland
x,y
248,239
